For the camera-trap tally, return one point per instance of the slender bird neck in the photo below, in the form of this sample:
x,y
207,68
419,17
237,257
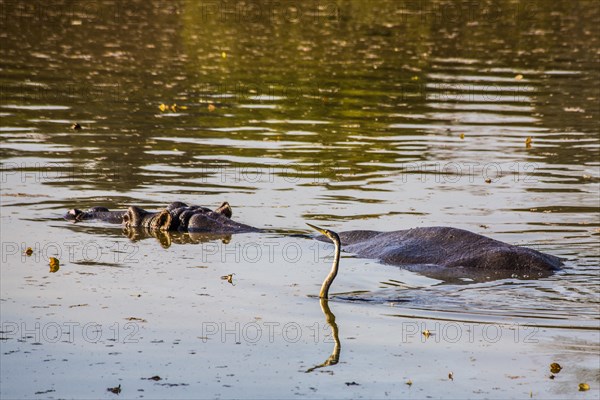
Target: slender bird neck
x,y
334,270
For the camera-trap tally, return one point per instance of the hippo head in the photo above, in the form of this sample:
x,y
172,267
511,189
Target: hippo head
x,y
74,214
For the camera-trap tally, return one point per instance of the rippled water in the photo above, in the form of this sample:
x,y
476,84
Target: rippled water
x,y
345,115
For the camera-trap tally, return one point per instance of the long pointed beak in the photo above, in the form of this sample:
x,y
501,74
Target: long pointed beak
x,y
316,228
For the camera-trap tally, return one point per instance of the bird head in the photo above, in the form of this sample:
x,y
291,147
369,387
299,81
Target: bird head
x,y
330,234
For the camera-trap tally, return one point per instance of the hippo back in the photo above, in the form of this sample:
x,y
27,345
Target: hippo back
x,y
446,247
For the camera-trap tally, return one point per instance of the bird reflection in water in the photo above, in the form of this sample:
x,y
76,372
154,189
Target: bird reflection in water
x,y
330,319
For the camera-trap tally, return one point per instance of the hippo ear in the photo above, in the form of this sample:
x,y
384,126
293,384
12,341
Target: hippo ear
x,y
225,209
161,221
133,217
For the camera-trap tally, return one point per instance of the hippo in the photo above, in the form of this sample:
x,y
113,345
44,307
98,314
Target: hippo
x,y
448,254
176,216
445,253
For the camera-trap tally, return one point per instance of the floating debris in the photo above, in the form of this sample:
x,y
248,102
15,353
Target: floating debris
x,y
174,384
528,142
488,180
54,264
173,107
46,391
451,376
228,278
584,387
115,390
75,126
426,333
555,368
409,382
136,319
29,251
352,383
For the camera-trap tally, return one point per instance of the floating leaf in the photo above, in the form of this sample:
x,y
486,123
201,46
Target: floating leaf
x,y
584,387
211,107
414,78
555,368
409,382
54,264
223,54
451,376
519,77
488,180
183,107
75,126
174,108
228,278
462,135
163,107
528,142
29,251
426,333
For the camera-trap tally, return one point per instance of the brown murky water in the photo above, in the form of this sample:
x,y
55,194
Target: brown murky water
x,y
343,114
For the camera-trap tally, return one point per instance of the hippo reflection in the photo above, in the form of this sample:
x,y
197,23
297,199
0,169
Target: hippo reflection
x,y
167,238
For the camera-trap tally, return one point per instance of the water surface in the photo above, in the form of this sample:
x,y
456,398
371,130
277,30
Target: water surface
x,y
342,114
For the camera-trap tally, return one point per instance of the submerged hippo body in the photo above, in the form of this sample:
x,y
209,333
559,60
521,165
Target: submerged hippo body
x,y
446,253
176,216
